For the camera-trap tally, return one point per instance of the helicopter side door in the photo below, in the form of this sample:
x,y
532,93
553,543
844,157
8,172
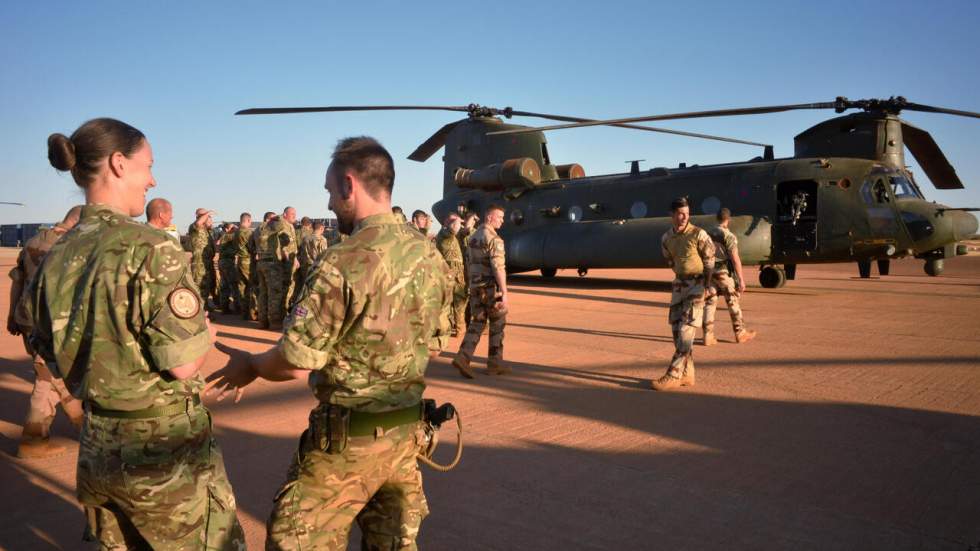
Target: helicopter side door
x,y
876,193
795,231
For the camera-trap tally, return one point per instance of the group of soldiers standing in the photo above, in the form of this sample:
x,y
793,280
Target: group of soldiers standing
x,y
258,270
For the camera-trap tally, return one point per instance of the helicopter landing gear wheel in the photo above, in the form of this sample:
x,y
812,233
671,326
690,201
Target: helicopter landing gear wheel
x,y
864,268
549,272
934,267
772,277
883,266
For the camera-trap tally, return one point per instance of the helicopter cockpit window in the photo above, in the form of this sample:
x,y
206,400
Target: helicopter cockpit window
x,y
902,188
875,192
544,154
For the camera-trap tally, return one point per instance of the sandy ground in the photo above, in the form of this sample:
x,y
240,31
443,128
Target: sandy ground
x,y
852,422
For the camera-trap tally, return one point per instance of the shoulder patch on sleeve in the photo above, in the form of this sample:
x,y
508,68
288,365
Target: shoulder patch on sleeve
x,y
184,303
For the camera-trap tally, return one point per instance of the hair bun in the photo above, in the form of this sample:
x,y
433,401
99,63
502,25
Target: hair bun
x,y
61,152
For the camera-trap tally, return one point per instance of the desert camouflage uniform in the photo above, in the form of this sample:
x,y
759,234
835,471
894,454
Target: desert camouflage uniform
x,y
691,254
114,307
268,274
48,391
485,250
300,235
201,244
310,249
333,236
229,299
243,268
722,282
448,245
366,319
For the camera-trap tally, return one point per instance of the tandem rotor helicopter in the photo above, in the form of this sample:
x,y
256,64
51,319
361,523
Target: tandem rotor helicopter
x,y
845,195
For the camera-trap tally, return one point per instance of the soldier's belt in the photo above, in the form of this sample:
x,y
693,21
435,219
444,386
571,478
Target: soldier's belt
x,y
331,425
148,413
690,277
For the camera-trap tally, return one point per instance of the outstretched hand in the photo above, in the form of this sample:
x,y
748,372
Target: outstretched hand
x,y
233,377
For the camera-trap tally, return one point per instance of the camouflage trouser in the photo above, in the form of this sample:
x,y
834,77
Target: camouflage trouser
x,y
460,297
686,309
272,292
156,483
722,284
48,392
245,278
228,295
204,278
482,302
289,285
375,481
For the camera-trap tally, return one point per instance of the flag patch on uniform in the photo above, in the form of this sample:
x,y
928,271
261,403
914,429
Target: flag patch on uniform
x,y
299,312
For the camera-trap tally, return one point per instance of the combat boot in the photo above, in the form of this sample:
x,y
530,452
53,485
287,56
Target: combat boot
x,y
688,378
33,448
709,338
497,368
744,336
463,365
666,383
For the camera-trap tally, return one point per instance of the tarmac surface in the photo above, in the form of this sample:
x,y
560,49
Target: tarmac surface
x,y
851,422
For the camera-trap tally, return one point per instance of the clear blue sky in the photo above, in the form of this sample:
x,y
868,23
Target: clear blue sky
x,y
179,70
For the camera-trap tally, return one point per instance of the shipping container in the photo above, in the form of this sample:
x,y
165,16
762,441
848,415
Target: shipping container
x,y
9,235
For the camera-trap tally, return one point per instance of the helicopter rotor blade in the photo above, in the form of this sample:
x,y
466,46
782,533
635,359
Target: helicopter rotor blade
x,y
932,160
338,108
435,141
943,110
638,127
674,116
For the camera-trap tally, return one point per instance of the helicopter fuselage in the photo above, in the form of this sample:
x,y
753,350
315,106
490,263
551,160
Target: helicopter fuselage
x,y
785,212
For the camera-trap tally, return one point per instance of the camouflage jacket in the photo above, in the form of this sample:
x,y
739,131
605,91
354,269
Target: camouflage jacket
x,y
464,236
725,242
28,261
371,309
448,245
485,254
333,236
201,242
114,307
690,252
267,242
303,233
242,251
278,242
310,249
227,247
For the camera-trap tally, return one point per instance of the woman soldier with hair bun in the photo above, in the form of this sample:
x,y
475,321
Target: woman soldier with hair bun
x,y
119,319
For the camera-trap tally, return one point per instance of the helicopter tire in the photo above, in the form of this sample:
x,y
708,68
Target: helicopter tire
x,y
548,272
772,277
883,266
864,268
934,267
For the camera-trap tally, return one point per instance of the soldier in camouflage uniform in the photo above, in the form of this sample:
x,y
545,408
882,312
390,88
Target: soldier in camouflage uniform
x,y
487,295
243,265
277,255
448,244
691,254
471,221
726,258
118,317
421,222
49,391
310,249
361,333
266,269
202,248
228,298
160,215
305,230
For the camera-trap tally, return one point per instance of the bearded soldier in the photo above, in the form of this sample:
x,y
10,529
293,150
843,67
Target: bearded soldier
x,y
368,316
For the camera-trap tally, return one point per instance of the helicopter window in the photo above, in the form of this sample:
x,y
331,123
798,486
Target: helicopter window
x,y
901,187
516,217
638,210
875,192
919,226
544,154
575,214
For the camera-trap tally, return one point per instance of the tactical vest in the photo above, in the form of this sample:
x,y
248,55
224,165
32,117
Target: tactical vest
x,y
683,247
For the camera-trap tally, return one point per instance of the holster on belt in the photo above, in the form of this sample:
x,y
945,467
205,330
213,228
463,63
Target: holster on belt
x,y
329,427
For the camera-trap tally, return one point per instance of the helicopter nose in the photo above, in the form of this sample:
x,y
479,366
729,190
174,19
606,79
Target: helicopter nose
x,y
964,225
